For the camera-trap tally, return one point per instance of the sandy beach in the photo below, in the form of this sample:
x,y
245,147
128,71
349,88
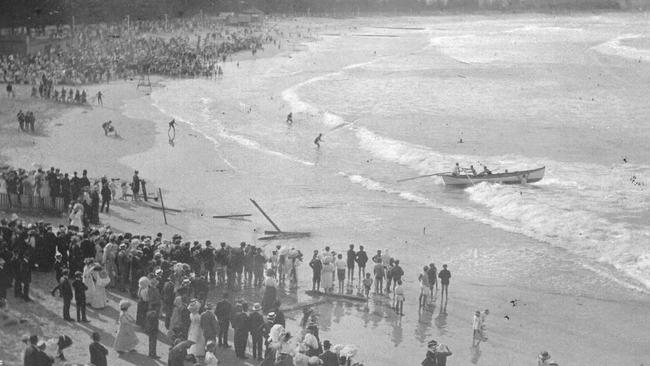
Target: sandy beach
x,y
540,296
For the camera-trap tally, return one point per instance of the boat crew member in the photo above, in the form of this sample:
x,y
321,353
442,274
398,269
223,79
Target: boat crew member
x,y
471,168
318,140
486,171
456,170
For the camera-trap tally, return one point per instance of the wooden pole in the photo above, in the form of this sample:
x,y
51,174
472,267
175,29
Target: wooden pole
x,y
265,215
162,203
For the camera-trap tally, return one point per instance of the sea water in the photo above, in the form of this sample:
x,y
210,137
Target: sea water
x,y
394,101
392,98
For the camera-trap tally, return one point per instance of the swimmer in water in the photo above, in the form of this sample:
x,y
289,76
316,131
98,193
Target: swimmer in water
x,y
318,140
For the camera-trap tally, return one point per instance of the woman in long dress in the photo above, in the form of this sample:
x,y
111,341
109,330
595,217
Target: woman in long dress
x,y
77,215
89,280
270,292
143,300
126,340
195,334
326,275
102,280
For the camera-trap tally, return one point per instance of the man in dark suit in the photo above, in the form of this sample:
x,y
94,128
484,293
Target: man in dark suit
x,y
65,289
240,325
255,323
80,297
223,312
98,352
209,324
328,357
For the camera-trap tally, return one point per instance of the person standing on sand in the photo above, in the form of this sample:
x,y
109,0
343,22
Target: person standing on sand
x,y
10,90
398,292
135,186
290,118
340,272
106,196
151,329
80,297
316,267
223,312
380,273
423,278
99,98
98,352
350,262
126,340
143,185
65,290
361,258
433,279
444,276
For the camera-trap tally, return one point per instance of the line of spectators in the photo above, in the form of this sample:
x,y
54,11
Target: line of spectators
x,y
102,52
171,278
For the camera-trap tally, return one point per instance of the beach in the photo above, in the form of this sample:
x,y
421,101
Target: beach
x,y
562,265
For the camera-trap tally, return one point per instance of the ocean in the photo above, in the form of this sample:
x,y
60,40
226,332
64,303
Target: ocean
x,y
392,98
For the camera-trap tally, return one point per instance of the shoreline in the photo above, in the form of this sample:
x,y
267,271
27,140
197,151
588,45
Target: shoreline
x,y
565,325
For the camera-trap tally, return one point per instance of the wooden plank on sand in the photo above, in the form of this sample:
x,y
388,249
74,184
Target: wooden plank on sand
x,y
231,216
336,296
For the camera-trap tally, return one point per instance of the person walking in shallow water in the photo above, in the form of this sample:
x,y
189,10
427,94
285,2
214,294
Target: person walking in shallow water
x,y
318,140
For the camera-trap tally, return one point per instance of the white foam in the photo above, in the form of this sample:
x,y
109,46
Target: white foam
x,y
614,47
179,106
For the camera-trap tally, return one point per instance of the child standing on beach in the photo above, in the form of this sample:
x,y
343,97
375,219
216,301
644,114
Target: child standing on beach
x,y
367,284
424,287
398,292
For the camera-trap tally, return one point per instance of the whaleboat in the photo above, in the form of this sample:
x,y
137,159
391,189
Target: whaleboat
x,y
518,177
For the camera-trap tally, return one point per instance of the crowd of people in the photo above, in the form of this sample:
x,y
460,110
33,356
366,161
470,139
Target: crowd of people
x,y
169,280
84,199
95,53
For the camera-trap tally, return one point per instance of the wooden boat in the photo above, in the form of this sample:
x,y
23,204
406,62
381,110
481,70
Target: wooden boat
x,y
518,177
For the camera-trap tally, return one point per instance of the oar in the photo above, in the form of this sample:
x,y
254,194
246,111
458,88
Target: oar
x,y
421,176
470,179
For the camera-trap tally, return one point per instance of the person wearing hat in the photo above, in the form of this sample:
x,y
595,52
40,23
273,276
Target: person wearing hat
x,y
240,326
195,333
65,291
97,351
151,329
80,296
209,323
430,358
59,266
223,311
444,276
126,340
265,329
311,341
255,324
544,359
316,267
328,357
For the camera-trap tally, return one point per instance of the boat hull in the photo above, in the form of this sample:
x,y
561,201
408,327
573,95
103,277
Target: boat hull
x,y
519,177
